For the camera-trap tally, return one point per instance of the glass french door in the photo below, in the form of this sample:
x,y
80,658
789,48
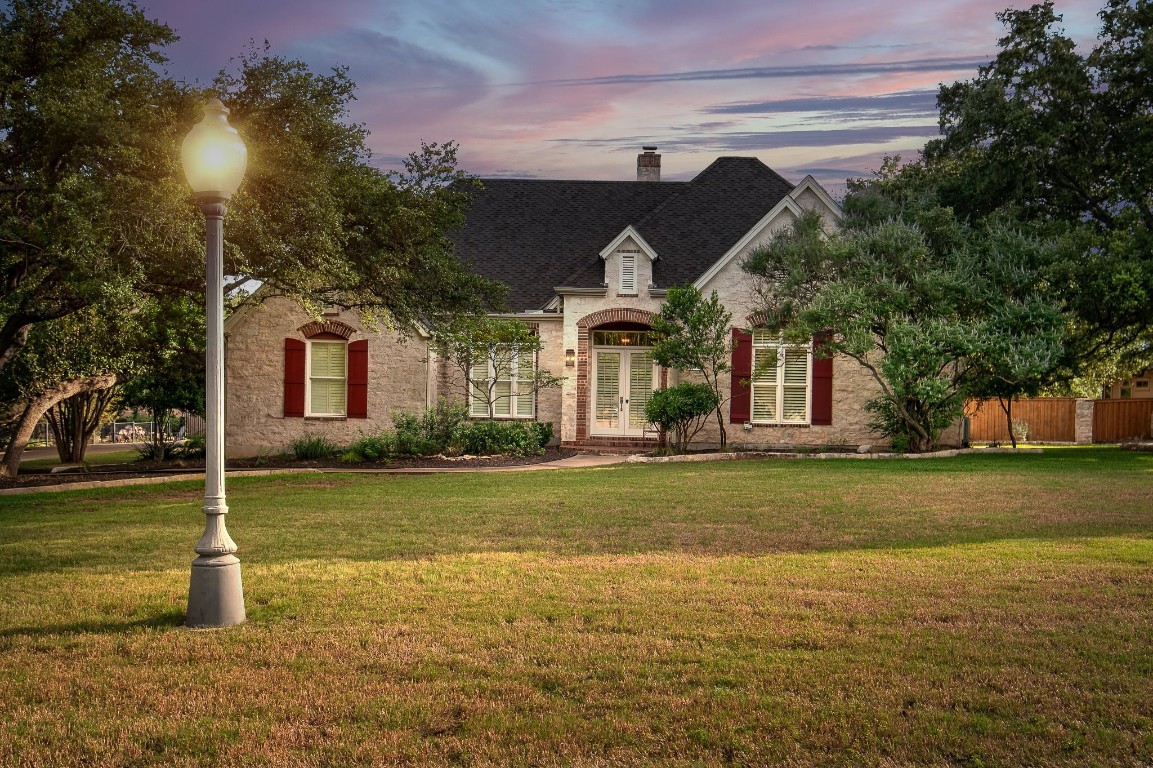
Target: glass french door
x,y
624,380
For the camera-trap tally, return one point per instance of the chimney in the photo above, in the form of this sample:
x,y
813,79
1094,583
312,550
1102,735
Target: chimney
x,y
649,165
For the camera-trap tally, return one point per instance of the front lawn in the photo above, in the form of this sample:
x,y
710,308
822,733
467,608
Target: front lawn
x,y
980,610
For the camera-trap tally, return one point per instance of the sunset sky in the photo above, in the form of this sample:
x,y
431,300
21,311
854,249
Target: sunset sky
x,y
573,88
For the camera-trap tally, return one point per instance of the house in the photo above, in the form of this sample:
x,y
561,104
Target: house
x,y
1135,387
587,263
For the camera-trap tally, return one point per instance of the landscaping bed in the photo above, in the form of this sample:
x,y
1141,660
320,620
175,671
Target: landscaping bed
x,y
38,478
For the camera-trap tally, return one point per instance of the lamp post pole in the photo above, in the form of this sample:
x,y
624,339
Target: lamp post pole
x,y
214,160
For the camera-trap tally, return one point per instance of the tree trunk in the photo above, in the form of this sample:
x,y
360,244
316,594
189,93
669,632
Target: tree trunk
x,y
75,419
721,426
37,407
1008,410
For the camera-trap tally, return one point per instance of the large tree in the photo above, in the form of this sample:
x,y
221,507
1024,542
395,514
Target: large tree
x,y
93,200
87,130
932,307
1062,137
81,355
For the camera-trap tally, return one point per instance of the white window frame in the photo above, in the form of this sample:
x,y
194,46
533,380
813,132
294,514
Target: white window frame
x,y
308,377
765,340
474,397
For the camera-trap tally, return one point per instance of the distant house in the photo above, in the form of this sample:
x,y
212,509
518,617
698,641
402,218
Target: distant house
x,y
587,264
1135,387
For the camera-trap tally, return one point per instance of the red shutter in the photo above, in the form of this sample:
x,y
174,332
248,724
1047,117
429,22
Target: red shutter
x,y
822,384
358,379
740,401
293,378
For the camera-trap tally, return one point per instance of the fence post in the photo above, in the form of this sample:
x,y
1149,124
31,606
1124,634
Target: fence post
x,y
1083,429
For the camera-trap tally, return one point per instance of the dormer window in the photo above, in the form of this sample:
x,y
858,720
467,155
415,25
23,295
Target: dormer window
x,y
628,283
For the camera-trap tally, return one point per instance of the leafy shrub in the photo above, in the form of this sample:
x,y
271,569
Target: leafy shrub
x,y
516,438
543,431
681,411
311,447
429,433
192,448
887,421
156,450
371,448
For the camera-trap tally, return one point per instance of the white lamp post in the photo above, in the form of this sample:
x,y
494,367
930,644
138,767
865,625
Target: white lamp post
x,y
214,160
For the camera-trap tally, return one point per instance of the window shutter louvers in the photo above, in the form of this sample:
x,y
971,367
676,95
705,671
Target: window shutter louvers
x,y
740,400
822,384
628,273
294,374
358,379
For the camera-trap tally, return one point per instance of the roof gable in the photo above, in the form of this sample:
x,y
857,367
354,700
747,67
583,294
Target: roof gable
x,y
535,235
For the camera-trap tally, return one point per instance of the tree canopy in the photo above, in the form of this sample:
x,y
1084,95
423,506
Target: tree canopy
x,y
1062,137
93,201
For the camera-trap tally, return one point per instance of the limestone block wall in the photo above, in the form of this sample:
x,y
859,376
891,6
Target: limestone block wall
x,y
551,358
399,379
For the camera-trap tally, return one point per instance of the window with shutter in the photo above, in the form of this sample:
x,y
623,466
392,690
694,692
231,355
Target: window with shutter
x,y
781,379
327,378
628,273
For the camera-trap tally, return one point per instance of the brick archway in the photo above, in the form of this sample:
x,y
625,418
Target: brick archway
x,y
584,325
334,327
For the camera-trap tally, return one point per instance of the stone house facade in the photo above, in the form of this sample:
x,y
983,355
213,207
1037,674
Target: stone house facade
x,y
587,263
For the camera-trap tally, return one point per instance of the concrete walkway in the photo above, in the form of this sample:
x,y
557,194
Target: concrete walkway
x,y
579,461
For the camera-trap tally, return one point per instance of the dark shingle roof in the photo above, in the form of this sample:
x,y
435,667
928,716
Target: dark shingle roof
x,y
535,235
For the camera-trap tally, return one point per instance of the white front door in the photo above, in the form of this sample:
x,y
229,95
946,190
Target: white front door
x,y
623,381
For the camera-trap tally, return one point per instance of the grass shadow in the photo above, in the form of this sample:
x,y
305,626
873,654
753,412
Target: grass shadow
x,y
170,619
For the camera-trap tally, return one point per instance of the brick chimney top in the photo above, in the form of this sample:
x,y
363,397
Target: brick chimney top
x,y
649,165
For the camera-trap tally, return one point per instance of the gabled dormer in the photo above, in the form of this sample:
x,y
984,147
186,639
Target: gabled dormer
x,y
628,261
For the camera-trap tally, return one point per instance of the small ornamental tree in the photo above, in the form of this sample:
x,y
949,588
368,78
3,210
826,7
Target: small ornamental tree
x,y
494,361
695,336
681,412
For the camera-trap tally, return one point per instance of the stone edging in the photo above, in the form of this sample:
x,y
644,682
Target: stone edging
x,y
737,455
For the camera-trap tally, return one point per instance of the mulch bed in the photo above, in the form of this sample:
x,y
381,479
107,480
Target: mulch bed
x,y
29,479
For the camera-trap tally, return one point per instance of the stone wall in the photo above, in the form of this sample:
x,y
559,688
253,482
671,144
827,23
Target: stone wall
x,y
398,379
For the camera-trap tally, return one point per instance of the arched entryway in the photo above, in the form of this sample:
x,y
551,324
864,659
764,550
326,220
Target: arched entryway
x,y
616,374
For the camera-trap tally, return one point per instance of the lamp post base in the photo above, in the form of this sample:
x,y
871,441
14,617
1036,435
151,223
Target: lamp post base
x,y
215,597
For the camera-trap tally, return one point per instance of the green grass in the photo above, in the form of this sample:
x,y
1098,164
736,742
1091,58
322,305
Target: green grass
x,y
94,458
978,611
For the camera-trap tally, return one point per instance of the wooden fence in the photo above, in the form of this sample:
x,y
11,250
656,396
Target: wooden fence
x,y
1050,420
1054,420
1118,420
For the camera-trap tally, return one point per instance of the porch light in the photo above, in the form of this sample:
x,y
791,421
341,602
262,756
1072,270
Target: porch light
x,y
569,358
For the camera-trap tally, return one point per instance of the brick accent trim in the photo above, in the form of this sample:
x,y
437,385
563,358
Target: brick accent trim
x,y
584,325
317,327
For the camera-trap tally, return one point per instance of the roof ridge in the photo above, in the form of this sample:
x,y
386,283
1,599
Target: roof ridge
x,y
584,181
